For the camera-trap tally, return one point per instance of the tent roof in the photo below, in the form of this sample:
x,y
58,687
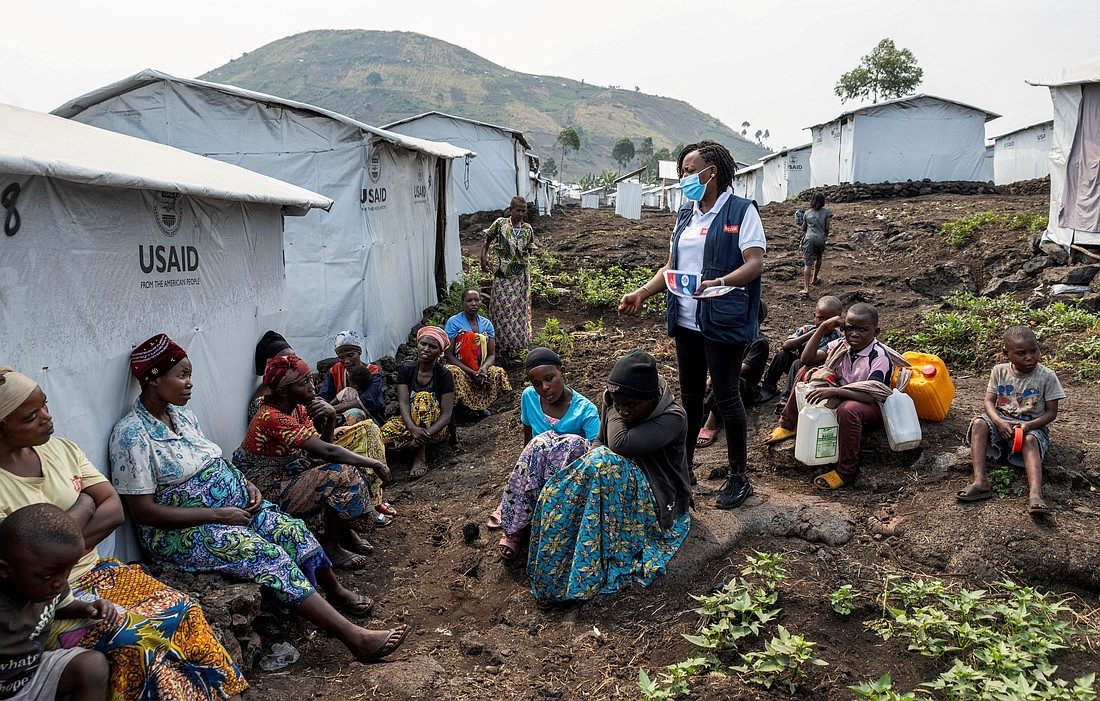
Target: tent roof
x,y
1049,123
908,98
146,77
631,174
34,143
784,152
1087,71
750,169
514,132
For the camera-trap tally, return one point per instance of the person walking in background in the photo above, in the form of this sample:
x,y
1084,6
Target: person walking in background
x,y
511,242
815,229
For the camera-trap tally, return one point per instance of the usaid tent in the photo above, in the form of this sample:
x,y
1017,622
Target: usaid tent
x,y
1075,154
910,138
1022,154
111,240
749,183
785,174
504,167
376,260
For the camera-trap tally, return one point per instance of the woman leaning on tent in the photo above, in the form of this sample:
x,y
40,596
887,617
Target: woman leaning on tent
x,y
511,242
161,647
719,236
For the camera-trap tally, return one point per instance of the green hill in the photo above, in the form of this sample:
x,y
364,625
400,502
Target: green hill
x,y
380,77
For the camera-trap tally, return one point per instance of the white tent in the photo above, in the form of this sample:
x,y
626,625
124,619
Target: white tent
x,y
749,183
113,239
391,240
1022,154
987,164
785,174
505,166
909,138
628,199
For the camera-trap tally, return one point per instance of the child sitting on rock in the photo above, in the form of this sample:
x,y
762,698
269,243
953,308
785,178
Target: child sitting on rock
x,y
856,372
1022,396
786,360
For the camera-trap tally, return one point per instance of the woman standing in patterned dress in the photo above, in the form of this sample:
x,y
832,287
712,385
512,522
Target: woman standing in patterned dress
x,y
512,242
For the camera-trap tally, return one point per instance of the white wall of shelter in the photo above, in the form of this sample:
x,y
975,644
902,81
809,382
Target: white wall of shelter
x,y
1022,154
749,183
785,174
910,138
120,239
375,260
502,169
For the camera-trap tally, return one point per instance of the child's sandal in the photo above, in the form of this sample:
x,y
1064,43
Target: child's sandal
x,y
830,481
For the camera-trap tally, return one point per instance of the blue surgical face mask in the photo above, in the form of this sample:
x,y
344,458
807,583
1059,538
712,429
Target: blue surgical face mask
x,y
692,188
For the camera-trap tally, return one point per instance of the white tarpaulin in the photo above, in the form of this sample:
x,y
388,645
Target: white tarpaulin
x,y
501,170
103,259
749,182
910,138
1071,150
785,174
371,263
1022,154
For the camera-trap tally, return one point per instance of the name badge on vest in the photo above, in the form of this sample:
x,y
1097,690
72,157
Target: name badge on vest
x,y
731,228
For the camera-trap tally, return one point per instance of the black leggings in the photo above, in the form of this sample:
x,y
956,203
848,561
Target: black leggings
x,y
695,355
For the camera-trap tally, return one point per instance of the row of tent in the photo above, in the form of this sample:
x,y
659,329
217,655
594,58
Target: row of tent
x,y
212,214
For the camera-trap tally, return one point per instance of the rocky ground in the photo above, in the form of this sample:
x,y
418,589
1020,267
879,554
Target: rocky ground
x,y
477,632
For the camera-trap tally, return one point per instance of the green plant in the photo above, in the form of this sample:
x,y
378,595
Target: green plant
x,y
961,231
555,337
781,663
881,690
843,600
1000,479
604,288
1087,371
596,325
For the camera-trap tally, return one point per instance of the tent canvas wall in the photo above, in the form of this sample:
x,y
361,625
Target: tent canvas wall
x,y
749,182
501,171
120,239
910,138
376,260
1022,154
1075,154
785,174
628,200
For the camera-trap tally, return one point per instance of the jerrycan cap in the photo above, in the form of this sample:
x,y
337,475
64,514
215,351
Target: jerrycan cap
x,y
929,371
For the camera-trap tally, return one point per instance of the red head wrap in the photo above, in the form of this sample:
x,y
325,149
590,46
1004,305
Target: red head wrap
x,y
283,371
155,357
436,333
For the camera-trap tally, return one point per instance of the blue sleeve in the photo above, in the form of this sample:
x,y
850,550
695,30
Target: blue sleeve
x,y
328,388
372,399
490,330
591,421
524,408
452,328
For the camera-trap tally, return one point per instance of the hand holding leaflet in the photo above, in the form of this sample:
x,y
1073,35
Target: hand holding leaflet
x,y
685,284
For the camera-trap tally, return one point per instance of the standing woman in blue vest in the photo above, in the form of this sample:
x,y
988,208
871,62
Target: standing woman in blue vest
x,y
719,235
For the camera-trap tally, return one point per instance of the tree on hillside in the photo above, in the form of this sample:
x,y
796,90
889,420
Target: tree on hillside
x,y
887,72
652,169
645,149
623,152
569,140
549,167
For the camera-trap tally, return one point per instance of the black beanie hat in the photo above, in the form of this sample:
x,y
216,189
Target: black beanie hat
x,y
540,356
270,345
635,376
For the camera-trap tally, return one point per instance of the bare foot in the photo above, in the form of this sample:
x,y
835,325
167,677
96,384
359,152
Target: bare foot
x,y
817,281
375,644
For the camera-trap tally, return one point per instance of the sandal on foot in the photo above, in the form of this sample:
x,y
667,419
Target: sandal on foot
x,y
354,561
354,543
706,437
509,545
418,471
1036,506
397,636
973,493
362,606
831,481
380,520
494,519
779,435
387,509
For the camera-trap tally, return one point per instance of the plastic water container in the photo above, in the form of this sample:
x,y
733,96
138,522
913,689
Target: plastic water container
x,y
899,413
818,439
930,386
800,391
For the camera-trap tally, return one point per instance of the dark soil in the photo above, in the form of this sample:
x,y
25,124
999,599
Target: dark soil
x,y
477,632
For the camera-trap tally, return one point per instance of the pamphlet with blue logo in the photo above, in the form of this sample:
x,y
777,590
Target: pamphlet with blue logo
x,y
684,284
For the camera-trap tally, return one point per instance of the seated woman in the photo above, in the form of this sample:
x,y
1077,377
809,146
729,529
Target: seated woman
x,y
558,423
472,354
349,349
161,647
299,461
196,511
619,513
425,395
271,345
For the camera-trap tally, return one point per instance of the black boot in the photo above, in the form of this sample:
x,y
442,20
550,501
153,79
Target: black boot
x,y
736,490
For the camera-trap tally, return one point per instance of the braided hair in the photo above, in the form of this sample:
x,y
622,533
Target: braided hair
x,y
714,154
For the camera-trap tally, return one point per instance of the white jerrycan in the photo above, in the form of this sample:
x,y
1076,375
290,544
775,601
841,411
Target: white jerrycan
x,y
818,439
899,413
800,391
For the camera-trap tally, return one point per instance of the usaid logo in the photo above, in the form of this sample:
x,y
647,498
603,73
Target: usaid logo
x,y
374,166
167,210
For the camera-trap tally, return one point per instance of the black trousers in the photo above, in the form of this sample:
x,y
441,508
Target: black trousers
x,y
780,364
695,357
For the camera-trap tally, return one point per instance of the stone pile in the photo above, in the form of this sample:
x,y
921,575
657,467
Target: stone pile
x,y
851,192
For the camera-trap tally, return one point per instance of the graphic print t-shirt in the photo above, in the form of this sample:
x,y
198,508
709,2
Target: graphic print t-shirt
x,y
1022,397
23,630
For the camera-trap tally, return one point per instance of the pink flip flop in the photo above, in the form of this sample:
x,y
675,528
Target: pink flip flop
x,y
494,519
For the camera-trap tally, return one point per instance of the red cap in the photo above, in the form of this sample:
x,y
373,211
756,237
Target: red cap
x,y
928,370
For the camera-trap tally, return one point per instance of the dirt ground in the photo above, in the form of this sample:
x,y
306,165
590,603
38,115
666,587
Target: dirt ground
x,y
477,633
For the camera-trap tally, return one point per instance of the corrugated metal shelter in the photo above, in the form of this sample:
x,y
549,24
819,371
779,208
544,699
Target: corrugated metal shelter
x,y
112,239
505,166
390,242
909,138
1023,154
786,174
1075,154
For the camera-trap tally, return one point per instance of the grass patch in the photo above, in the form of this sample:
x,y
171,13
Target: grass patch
x,y
960,232
596,288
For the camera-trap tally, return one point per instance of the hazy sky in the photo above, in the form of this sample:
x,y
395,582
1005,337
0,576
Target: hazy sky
x,y
773,64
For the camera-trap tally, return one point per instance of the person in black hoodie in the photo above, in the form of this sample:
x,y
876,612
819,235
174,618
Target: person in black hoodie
x,y
619,513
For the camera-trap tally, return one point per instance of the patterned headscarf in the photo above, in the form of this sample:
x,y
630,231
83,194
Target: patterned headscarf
x,y
436,333
155,357
15,387
347,338
283,371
